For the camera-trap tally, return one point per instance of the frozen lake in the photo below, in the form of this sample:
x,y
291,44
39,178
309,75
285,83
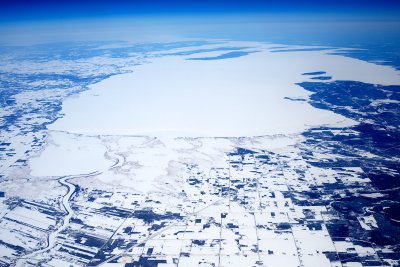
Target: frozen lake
x,y
237,96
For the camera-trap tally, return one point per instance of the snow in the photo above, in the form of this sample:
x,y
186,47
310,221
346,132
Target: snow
x,y
69,154
171,96
242,96
31,217
241,206
5,251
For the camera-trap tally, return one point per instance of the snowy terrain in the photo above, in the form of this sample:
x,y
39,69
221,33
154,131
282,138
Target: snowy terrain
x,y
208,153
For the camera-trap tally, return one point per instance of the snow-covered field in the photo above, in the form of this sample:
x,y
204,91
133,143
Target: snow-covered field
x,y
196,157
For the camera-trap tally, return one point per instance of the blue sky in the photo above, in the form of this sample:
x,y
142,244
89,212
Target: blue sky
x,y
307,21
20,10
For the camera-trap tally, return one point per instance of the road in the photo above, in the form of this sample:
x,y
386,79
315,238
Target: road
x,y
51,241
52,238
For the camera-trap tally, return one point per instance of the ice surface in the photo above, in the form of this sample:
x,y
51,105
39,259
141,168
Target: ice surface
x,y
68,154
241,96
